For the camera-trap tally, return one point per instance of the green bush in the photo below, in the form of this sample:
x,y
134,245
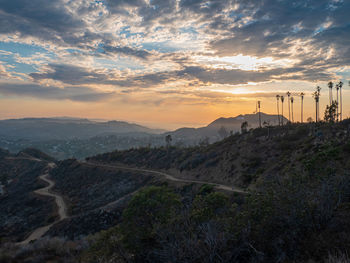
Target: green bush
x,y
210,206
149,209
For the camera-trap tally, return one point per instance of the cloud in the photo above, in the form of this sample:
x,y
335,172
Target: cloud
x,y
187,75
314,35
126,51
76,93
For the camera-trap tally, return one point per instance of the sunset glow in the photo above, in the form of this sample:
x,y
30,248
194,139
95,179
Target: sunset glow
x,y
168,63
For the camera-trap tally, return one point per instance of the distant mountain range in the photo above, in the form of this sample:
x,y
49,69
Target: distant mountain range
x,y
64,137
39,129
232,124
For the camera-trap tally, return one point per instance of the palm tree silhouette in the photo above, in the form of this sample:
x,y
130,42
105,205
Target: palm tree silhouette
x,y
288,94
282,100
337,87
302,106
278,109
259,113
330,86
341,100
292,101
316,96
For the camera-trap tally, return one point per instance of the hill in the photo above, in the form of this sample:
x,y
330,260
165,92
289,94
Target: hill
x,y
41,129
65,138
230,125
21,210
166,204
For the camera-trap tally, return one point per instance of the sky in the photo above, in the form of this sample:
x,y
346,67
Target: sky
x,y
170,63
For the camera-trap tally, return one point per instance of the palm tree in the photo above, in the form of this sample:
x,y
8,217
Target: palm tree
x,y
259,113
282,100
316,96
288,94
278,109
302,106
337,87
330,86
292,101
341,100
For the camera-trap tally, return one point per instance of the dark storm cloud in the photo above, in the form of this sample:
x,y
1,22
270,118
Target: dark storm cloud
x,y
77,93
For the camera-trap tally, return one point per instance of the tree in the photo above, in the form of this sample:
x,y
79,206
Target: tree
x,y
206,207
278,109
330,86
302,106
337,87
149,209
259,105
168,140
292,101
223,132
244,127
340,84
204,142
282,117
288,94
330,114
316,95
309,120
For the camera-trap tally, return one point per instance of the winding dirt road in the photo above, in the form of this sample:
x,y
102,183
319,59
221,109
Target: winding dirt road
x,y
62,208
170,177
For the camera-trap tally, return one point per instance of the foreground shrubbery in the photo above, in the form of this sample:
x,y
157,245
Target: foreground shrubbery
x,y
55,250
280,224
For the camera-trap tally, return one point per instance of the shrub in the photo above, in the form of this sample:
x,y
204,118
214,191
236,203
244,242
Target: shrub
x,y
149,209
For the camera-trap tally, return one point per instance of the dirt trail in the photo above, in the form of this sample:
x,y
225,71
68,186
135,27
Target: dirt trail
x,y
62,208
171,177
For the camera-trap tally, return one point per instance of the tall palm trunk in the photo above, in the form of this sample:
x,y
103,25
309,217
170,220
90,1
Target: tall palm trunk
x,y
330,86
302,107
282,117
338,103
278,109
316,96
288,109
288,95
278,112
340,84
341,105
316,110
259,114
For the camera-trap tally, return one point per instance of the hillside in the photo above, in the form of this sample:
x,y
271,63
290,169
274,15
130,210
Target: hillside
x,y
20,210
152,204
239,159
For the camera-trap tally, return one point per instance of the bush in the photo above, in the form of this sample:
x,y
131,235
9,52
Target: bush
x,y
149,209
